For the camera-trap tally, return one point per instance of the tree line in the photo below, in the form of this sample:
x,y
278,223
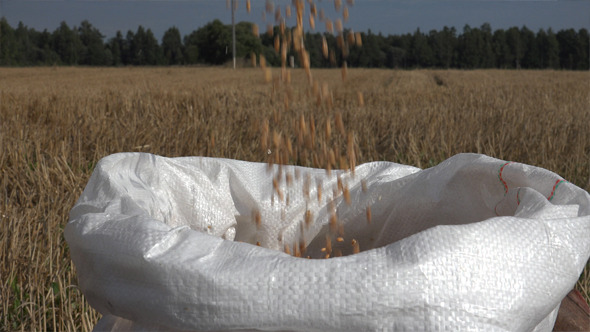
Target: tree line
x,y
473,47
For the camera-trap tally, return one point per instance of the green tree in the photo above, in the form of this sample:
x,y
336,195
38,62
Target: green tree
x,y
444,44
268,49
488,59
127,55
470,48
172,47
552,50
92,50
531,57
66,44
370,55
583,56
153,52
8,44
134,40
313,44
421,54
191,50
476,48
395,56
143,48
45,53
26,51
515,47
393,51
504,58
213,42
116,45
246,42
548,48
567,48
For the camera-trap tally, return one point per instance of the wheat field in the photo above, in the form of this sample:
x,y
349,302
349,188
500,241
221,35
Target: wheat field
x,y
56,123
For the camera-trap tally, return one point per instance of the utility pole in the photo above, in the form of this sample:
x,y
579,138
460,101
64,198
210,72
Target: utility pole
x,y
234,4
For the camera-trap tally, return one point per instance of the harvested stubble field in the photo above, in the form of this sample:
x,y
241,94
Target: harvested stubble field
x,y
56,123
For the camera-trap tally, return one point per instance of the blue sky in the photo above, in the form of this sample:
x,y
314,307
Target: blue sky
x,y
386,16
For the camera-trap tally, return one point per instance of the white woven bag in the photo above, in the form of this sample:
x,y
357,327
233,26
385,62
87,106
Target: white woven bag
x,y
474,243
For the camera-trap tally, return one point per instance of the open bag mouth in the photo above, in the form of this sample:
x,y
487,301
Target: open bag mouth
x,y
183,243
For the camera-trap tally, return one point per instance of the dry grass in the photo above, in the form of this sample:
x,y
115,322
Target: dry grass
x,y
56,123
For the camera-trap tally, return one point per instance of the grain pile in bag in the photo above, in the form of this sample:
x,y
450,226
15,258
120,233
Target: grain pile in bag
x,y
203,244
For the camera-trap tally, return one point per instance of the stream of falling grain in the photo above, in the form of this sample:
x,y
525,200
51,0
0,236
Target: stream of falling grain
x,y
277,144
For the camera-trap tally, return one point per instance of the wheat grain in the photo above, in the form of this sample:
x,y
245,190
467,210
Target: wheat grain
x,y
255,30
355,246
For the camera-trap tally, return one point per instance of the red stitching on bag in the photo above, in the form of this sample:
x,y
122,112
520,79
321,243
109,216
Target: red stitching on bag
x,y
557,183
502,180
503,183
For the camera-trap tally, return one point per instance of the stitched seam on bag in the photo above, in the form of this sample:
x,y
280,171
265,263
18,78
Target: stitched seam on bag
x,y
550,198
557,183
501,179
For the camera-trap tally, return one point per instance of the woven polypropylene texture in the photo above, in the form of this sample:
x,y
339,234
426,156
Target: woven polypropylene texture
x,y
474,243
